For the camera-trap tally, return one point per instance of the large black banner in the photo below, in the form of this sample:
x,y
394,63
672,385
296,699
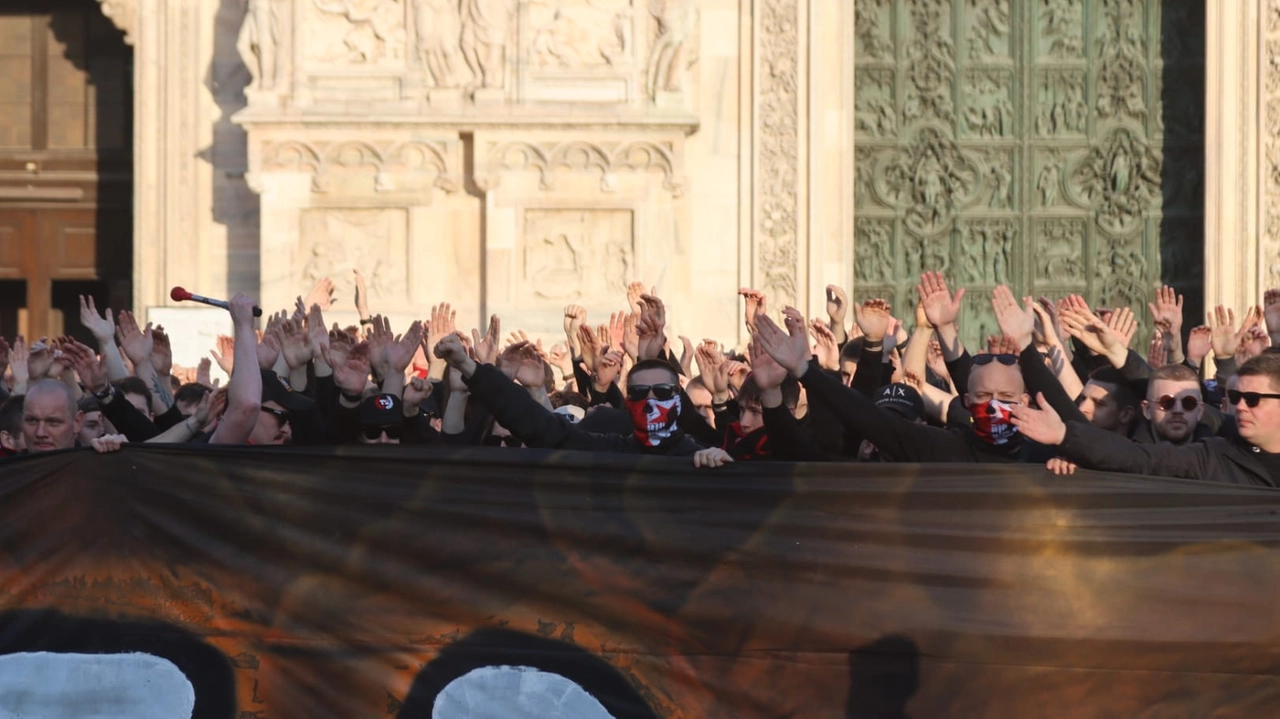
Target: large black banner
x,y
368,582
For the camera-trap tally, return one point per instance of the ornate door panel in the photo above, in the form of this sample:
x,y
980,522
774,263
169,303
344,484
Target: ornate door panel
x,y
1052,145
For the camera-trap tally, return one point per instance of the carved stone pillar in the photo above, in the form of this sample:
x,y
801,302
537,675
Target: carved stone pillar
x,y
1242,178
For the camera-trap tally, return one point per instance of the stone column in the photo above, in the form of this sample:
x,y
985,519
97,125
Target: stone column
x,y
1241,152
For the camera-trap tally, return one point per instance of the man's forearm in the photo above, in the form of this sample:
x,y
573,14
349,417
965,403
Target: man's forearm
x,y
949,339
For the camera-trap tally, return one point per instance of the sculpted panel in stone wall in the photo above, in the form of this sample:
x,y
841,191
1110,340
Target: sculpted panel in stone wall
x,y
375,241
581,256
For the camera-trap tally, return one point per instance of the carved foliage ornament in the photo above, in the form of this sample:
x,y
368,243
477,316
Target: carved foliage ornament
x,y
1270,245
386,161
608,159
778,151
932,179
1120,179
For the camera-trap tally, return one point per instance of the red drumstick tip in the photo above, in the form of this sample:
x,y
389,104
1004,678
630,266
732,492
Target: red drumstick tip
x,y
177,294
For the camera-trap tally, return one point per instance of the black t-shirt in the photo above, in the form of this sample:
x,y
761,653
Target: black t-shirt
x,y
1271,462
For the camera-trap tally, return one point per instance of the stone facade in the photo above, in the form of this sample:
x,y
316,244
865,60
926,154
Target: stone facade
x,y
514,156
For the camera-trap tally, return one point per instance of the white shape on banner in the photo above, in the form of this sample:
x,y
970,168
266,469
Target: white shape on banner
x,y
503,692
93,686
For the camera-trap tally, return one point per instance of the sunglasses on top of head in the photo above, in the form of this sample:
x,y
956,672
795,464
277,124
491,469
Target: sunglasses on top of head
x,y
661,392
1007,360
1251,399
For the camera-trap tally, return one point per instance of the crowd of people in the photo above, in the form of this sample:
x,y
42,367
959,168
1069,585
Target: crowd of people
x,y
1060,386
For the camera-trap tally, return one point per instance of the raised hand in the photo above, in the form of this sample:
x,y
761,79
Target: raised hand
x,y
589,343
351,373
137,344
416,392
19,363
1225,337
686,356
561,358
825,346
486,345
202,372
574,317
399,352
268,350
1093,333
615,332
362,293
93,375
789,348
1041,425
294,344
321,294
649,337
161,352
837,311
941,307
756,306
607,369
101,326
225,353
874,319
1157,351
1166,311
1255,342
936,362
1017,323
443,323
379,337
710,359
766,371
631,336
451,350
635,290
1121,322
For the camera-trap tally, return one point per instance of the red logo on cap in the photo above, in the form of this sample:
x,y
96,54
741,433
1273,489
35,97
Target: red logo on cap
x,y
385,402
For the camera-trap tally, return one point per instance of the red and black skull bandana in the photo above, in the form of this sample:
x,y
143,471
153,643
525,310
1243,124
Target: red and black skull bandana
x,y
993,422
655,420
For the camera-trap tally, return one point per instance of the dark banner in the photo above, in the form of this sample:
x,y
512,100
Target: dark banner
x,y
263,584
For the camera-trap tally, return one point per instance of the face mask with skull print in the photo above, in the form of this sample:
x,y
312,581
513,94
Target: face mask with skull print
x,y
655,420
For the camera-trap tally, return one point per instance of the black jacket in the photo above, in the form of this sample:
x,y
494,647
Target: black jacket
x,y
902,440
1213,459
537,426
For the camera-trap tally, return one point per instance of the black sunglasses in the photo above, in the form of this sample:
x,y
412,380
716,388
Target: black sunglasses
x,y
1251,399
661,392
281,415
1167,402
1007,360
371,433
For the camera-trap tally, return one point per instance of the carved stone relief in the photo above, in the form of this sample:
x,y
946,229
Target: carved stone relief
x,y
1061,29
1061,105
373,240
876,116
437,31
871,24
581,33
1052,168
1122,65
777,153
988,110
989,29
932,179
584,256
356,32
986,250
1120,178
259,42
873,260
1060,251
672,53
931,65
1270,242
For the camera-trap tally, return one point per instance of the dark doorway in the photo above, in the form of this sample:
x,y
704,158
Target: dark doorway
x,y
66,163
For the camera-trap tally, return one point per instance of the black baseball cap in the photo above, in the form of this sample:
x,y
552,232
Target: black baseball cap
x,y
381,410
902,399
276,389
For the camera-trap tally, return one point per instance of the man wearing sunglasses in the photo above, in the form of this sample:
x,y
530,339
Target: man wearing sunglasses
x,y
1173,408
1252,457
652,399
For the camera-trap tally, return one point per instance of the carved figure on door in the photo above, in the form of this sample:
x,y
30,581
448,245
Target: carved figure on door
x,y
439,27
486,28
991,25
1001,181
376,27
1047,183
669,59
259,42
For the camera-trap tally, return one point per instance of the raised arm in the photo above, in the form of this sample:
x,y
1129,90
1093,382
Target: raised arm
x,y
244,390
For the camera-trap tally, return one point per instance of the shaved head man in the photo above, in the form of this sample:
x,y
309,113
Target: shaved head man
x,y
50,418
